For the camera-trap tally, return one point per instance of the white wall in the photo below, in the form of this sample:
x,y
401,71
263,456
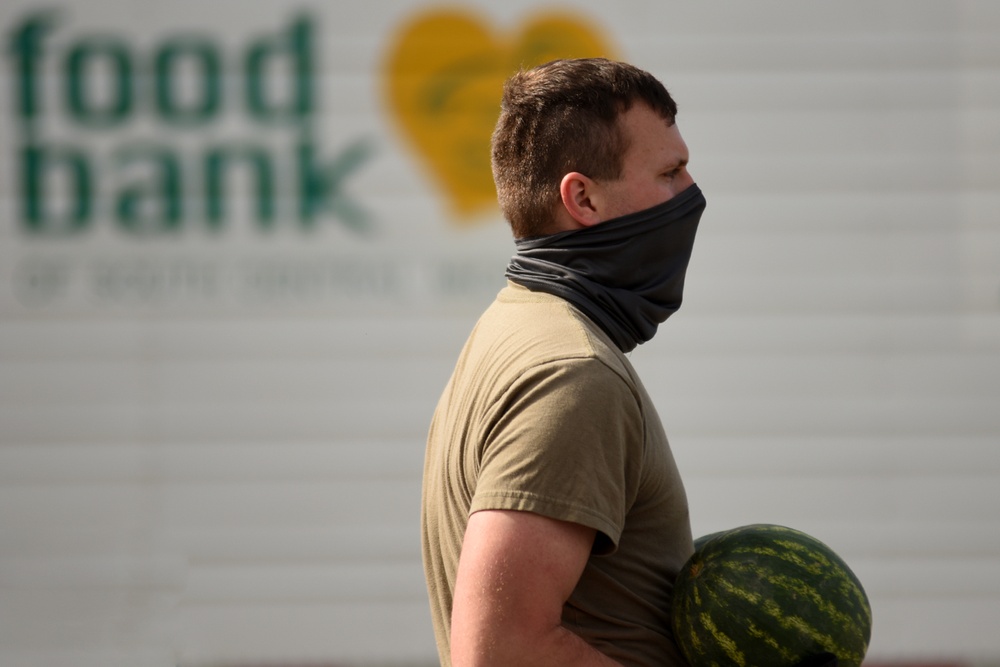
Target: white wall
x,y
211,444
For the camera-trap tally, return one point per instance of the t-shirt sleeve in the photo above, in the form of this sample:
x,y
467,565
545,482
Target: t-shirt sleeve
x,y
564,441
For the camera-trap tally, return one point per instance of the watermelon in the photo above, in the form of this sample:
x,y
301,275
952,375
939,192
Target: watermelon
x,y
768,596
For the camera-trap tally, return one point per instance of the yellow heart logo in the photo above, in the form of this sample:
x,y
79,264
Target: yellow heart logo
x,y
444,79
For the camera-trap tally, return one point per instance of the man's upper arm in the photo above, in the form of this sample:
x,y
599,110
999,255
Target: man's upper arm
x,y
566,442
515,572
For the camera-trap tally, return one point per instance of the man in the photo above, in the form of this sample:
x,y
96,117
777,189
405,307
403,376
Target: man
x,y
554,519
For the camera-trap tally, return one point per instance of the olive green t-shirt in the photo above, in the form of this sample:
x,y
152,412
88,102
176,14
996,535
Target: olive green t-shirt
x,y
544,414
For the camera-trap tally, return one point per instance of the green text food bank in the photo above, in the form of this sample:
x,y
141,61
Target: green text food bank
x,y
112,133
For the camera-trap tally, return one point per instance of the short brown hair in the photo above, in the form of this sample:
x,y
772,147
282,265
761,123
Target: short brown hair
x,y
561,117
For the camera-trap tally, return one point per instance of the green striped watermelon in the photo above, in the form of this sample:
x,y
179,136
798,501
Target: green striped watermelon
x,y
768,596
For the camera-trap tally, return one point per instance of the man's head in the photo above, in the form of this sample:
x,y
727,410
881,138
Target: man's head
x,y
569,128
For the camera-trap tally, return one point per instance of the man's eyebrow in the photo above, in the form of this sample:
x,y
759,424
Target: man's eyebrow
x,y
676,164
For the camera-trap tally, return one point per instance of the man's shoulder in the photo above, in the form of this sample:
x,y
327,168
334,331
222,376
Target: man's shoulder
x,y
538,327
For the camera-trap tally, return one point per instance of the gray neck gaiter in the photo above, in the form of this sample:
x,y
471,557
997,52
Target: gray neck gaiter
x,y
625,274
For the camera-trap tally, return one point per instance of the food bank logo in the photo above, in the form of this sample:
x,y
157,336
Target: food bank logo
x,y
443,82
145,138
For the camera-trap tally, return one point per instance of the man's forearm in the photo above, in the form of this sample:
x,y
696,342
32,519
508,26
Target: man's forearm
x,y
579,652
554,648
516,571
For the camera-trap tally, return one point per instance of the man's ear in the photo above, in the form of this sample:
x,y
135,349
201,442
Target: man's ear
x,y
577,192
